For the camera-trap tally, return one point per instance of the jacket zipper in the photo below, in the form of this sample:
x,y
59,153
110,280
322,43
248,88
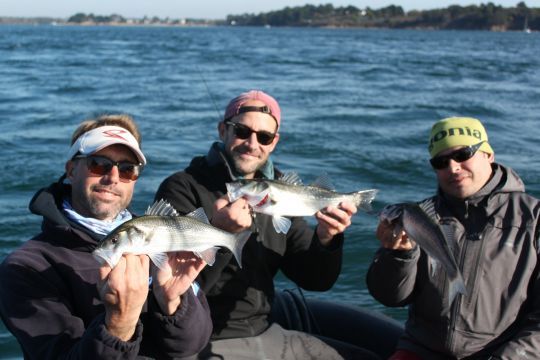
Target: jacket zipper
x,y
456,305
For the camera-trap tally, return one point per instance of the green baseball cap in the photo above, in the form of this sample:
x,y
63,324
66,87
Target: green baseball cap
x,y
457,131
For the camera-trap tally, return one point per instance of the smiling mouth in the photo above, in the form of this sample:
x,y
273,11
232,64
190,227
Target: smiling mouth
x,y
106,191
245,154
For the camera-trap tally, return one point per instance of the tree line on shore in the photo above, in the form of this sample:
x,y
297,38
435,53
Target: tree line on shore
x,y
474,17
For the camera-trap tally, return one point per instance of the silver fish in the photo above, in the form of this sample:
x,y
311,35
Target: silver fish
x,y
423,230
288,197
163,230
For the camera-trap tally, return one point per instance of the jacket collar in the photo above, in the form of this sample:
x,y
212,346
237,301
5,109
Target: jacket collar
x,y
47,203
503,180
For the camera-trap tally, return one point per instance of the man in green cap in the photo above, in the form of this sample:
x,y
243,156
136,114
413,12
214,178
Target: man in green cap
x,y
493,228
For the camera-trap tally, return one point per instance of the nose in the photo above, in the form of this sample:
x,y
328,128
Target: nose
x,y
454,166
252,140
112,177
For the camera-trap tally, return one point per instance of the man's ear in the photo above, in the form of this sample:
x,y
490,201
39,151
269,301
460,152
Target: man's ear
x,y
491,157
69,168
222,128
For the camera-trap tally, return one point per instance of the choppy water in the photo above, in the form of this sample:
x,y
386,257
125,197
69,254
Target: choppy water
x,y
357,104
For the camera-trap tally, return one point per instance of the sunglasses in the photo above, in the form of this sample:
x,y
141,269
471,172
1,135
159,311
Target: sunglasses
x,y
243,132
460,155
100,165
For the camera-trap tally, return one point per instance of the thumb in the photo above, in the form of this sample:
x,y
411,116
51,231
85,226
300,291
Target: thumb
x,y
221,202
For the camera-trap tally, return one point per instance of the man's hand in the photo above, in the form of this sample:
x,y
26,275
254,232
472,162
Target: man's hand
x,y
175,279
123,291
389,239
232,217
334,220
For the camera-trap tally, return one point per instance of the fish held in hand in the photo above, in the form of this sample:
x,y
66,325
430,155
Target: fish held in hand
x,y
422,229
287,197
163,230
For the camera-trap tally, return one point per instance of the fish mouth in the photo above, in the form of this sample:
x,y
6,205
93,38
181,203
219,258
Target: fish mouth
x,y
105,256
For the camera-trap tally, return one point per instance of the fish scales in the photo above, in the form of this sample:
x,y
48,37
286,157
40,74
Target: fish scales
x,y
304,200
281,199
155,235
181,232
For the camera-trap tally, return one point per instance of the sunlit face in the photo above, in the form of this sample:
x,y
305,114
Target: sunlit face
x,y
248,155
101,197
462,180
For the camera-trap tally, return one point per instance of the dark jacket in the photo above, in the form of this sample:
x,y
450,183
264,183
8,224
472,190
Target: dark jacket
x,y
240,298
496,234
49,298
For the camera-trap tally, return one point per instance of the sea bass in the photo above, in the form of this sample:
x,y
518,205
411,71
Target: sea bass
x,y
163,230
423,230
288,197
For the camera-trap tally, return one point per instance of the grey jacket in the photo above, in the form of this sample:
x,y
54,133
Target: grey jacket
x,y
496,234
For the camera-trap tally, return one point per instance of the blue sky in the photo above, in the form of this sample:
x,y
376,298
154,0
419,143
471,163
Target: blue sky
x,y
207,9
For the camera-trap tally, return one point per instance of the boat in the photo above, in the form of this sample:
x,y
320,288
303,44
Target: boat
x,y
354,325
526,28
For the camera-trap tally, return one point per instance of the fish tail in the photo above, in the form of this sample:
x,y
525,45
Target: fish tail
x,y
241,239
363,199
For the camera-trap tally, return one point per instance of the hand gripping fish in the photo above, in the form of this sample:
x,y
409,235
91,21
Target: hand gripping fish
x,y
422,229
163,230
288,197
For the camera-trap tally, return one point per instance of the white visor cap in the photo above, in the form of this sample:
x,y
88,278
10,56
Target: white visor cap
x,y
94,140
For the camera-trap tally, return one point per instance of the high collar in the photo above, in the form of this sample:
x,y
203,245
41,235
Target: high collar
x,y
503,180
47,203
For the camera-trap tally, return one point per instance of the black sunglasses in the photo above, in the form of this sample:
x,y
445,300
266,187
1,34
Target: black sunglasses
x,y
101,165
460,155
243,132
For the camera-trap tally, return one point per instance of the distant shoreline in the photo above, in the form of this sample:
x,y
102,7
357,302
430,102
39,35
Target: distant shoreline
x,y
487,17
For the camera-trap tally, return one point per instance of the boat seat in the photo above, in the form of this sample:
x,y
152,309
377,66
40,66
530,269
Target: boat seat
x,y
365,328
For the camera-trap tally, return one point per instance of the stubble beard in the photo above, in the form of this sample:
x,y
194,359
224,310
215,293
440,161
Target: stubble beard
x,y
244,167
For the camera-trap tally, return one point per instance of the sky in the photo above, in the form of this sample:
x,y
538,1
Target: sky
x,y
207,9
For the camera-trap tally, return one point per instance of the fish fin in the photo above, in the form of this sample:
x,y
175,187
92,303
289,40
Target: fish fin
x,y
161,208
324,182
456,286
241,239
281,224
291,178
159,259
208,255
364,198
200,215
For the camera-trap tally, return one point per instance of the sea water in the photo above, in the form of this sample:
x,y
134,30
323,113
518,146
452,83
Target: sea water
x,y
356,105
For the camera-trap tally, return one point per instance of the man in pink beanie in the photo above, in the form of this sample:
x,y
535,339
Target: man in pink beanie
x,y
241,298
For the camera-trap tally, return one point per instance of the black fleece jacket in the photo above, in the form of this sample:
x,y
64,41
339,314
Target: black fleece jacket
x,y
49,298
240,298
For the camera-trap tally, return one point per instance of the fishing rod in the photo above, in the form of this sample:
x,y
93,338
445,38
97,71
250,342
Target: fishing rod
x,y
208,91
